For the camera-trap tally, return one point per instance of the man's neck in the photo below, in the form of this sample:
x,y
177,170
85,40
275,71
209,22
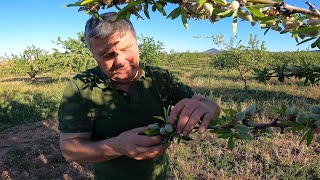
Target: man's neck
x,y
125,86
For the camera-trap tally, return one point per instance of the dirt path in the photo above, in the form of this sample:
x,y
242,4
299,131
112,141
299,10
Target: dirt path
x,y
31,151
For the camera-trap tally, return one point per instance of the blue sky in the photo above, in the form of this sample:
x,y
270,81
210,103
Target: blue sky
x,y
38,22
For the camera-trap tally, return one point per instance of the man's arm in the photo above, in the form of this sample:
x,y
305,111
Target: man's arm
x,y
188,112
79,147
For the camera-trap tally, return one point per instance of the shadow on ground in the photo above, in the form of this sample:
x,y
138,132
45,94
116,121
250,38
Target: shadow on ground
x,y
38,80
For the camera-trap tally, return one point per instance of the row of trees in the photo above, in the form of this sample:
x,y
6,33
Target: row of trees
x,y
75,57
249,58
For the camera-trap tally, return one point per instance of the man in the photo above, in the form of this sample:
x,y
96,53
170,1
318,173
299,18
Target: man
x,y
105,110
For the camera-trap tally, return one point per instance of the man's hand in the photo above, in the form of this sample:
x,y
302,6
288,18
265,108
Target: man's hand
x,y
132,144
188,112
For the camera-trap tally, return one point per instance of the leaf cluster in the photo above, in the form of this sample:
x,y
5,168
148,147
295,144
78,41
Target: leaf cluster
x,y
310,72
303,24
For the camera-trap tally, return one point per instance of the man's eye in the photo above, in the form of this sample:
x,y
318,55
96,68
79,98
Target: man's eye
x,y
107,55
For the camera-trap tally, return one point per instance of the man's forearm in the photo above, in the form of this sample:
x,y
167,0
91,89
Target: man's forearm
x,y
84,150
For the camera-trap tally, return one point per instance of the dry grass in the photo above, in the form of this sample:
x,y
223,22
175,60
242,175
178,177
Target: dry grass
x,y
30,149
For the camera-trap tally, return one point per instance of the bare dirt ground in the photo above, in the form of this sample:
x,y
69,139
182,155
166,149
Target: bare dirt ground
x,y
31,151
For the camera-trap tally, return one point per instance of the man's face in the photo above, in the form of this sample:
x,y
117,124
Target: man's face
x,y
118,57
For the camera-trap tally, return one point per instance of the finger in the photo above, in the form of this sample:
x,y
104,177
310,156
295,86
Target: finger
x,y
147,141
205,122
139,130
185,115
195,117
175,112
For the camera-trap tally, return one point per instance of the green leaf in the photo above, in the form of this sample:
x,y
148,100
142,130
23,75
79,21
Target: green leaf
x,y
74,4
255,12
306,40
201,1
174,13
154,8
160,8
305,30
186,138
316,43
231,143
244,136
124,13
220,2
221,131
225,135
240,128
166,114
308,137
224,14
87,2
266,31
160,118
145,10
184,18
151,132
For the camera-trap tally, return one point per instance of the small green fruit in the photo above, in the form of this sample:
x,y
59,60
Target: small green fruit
x,y
301,118
163,131
168,128
240,116
315,117
250,110
315,109
153,126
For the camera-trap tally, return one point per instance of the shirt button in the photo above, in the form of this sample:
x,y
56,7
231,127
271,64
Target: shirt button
x,y
125,94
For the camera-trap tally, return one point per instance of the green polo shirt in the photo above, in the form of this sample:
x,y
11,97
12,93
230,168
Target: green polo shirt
x,y
90,103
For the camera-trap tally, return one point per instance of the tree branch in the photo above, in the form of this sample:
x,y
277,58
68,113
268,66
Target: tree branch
x,y
291,8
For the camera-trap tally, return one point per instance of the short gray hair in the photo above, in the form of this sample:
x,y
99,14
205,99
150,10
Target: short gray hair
x,y
95,28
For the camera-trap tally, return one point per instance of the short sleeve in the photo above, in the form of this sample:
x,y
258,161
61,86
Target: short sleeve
x,y
74,111
179,90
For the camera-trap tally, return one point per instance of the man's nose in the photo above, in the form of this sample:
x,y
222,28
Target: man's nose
x,y
119,59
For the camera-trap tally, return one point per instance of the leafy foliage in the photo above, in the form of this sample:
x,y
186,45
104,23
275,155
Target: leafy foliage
x,y
151,51
310,73
242,57
270,15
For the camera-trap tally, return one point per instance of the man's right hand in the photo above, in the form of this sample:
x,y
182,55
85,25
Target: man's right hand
x,y
132,144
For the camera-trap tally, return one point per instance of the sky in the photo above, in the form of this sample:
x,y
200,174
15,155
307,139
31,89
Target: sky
x,y
37,22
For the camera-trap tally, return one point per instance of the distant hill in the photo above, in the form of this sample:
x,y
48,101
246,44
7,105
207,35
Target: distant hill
x,y
212,50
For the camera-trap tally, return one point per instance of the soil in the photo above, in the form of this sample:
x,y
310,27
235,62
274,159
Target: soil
x,y
31,151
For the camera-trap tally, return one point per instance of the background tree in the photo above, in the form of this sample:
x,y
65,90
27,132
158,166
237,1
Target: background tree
x,y
242,57
151,51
